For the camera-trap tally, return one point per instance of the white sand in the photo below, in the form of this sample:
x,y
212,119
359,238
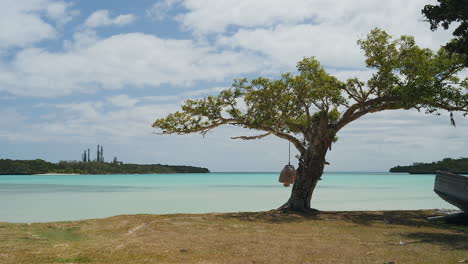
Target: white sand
x,y
58,174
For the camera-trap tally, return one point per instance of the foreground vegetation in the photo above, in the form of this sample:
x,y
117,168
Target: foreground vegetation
x,y
38,166
264,237
459,166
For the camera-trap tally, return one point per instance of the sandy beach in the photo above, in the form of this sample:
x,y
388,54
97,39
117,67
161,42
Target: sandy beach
x,y
58,174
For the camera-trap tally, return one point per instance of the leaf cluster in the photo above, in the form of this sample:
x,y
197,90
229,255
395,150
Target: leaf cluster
x,y
416,77
446,12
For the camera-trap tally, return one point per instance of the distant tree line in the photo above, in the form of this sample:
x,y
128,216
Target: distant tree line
x,y
459,166
39,166
20,167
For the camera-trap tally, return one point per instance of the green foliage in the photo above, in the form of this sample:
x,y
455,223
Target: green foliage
x,y
309,108
446,12
28,167
459,166
23,167
419,78
117,168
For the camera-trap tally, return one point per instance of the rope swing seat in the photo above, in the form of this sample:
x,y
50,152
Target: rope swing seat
x,y
288,174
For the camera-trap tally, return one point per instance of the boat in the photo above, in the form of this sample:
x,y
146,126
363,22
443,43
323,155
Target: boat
x,y
453,188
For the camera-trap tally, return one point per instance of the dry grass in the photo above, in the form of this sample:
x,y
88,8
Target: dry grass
x,y
264,237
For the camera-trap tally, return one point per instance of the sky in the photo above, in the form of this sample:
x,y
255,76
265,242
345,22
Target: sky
x,y
74,74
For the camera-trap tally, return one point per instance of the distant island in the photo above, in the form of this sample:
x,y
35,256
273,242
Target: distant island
x,y
39,166
459,166
89,166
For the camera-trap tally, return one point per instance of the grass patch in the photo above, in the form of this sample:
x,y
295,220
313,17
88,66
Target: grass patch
x,y
64,234
72,260
262,237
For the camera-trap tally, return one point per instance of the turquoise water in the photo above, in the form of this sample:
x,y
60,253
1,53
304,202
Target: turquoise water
x,y
40,198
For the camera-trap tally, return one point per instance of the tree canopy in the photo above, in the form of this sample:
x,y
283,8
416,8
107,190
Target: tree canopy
x,y
406,76
446,12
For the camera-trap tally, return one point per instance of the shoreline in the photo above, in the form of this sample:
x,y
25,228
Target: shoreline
x,y
111,173
57,174
434,211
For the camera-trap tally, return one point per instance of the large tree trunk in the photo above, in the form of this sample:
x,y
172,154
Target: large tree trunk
x,y
309,172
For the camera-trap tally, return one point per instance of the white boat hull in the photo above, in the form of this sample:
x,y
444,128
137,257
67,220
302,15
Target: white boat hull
x,y
453,188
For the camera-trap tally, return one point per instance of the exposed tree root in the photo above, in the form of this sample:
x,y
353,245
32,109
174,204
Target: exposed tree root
x,y
288,207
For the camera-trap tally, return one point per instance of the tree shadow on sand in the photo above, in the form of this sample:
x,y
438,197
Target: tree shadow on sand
x,y
451,241
405,218
449,235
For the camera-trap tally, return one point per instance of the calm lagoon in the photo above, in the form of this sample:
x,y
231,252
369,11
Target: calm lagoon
x,y
41,198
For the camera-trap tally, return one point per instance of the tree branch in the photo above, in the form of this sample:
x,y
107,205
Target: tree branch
x,y
463,108
202,130
351,95
231,121
377,104
296,142
252,137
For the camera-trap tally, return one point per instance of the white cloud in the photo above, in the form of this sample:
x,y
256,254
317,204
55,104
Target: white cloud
x,y
160,9
11,120
102,18
123,100
212,16
22,23
81,40
285,45
284,32
160,98
203,92
121,60
60,12
85,121
183,96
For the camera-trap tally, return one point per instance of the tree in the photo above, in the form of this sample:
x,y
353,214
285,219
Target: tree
x,y
445,13
102,154
310,108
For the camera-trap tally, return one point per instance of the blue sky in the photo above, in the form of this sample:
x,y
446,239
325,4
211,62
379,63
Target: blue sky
x,y
74,74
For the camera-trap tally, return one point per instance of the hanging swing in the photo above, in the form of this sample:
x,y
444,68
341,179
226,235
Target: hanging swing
x,y
288,174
